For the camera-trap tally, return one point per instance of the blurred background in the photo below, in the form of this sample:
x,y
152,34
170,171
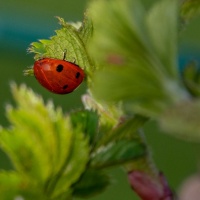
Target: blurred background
x,y
23,22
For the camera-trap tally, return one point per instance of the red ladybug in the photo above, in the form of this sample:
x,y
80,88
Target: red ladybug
x,y
58,76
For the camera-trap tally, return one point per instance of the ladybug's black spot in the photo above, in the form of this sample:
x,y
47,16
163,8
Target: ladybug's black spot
x,y
59,68
78,74
65,87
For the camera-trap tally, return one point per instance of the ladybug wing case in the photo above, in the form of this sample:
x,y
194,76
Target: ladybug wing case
x,y
58,76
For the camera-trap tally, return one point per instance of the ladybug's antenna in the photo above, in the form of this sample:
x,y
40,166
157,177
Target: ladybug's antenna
x,y
64,54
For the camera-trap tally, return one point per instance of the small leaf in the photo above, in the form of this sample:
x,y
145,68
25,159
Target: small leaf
x,y
89,123
116,153
126,130
92,182
39,47
109,114
121,145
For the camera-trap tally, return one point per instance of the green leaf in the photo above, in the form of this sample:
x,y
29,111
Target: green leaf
x,y
43,145
13,185
9,185
69,39
92,182
39,124
86,29
89,123
189,9
116,153
162,26
109,114
39,47
182,120
116,27
73,168
126,130
137,63
121,145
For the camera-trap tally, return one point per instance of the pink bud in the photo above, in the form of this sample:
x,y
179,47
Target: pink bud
x,y
148,188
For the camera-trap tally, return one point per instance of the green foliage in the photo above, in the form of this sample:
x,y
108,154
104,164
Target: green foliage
x,y
117,153
137,55
134,77
110,115
57,156
92,182
89,124
47,153
136,52
9,184
128,129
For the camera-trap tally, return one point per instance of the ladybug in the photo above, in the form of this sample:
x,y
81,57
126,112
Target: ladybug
x,y
58,76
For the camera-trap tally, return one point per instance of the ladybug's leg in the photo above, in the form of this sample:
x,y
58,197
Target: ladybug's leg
x,y
64,54
74,60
